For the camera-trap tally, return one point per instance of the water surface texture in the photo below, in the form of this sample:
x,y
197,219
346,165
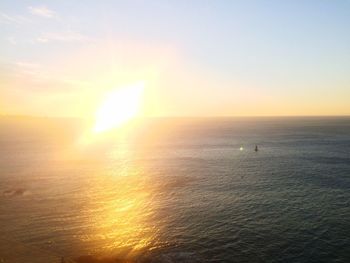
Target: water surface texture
x,y
179,190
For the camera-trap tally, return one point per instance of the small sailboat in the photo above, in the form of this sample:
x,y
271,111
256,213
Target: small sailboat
x,y
256,148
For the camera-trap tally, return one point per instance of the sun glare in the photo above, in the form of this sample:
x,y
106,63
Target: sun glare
x,y
118,107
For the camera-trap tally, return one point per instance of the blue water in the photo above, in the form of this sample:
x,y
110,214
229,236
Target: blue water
x,y
180,190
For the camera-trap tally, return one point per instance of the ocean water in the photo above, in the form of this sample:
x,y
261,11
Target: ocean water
x,y
177,190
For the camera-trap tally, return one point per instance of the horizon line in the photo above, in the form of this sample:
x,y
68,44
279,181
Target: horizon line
x,y
182,117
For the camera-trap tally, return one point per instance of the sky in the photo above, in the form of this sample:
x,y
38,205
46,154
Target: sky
x,y
196,58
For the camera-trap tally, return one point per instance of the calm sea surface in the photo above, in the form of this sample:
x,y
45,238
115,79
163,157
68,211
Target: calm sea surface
x,y
179,190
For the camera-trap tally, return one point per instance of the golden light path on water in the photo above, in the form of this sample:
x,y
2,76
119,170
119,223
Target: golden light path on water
x,y
121,202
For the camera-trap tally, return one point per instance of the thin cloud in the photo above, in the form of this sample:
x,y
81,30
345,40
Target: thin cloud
x,y
68,36
28,68
27,65
12,40
13,19
31,76
42,40
42,11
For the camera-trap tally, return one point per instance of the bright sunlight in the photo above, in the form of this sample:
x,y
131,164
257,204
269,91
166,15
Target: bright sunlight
x,y
118,107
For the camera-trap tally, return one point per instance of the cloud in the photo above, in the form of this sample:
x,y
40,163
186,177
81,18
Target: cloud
x,y
41,76
42,11
26,65
12,40
12,19
27,68
67,36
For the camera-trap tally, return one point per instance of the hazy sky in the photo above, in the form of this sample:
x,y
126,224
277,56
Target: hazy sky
x,y
58,58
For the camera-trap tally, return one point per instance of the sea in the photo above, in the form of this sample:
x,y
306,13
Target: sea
x,y
175,190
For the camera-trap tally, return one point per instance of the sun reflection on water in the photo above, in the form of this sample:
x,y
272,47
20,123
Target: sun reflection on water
x,y
120,207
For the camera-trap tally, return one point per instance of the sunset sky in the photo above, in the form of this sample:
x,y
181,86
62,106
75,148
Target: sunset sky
x,y
196,58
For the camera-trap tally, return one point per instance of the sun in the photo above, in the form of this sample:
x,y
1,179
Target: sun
x,y
118,107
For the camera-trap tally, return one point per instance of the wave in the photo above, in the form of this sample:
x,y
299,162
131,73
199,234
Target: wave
x,y
16,192
183,257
